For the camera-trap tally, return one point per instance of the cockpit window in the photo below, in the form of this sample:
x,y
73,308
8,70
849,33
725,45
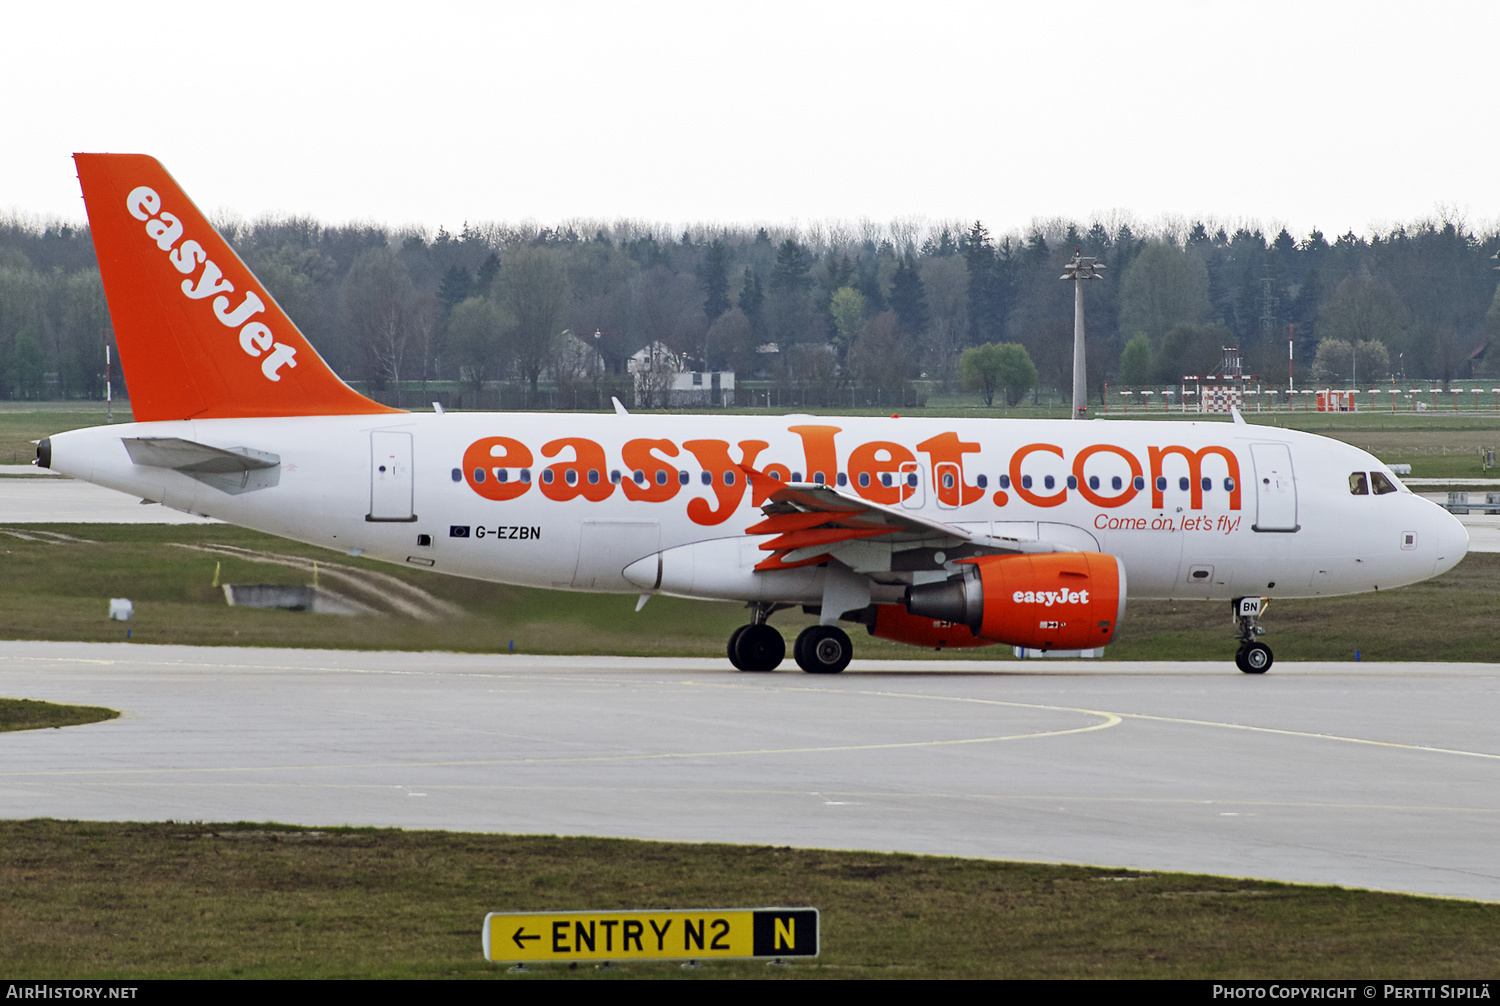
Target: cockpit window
x,y
1357,485
1382,484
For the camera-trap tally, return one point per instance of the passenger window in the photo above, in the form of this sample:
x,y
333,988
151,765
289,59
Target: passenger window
x,y
843,479
1382,484
661,476
864,480
682,478
593,476
614,476
1357,485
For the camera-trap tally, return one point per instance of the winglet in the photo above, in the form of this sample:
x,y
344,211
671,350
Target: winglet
x,y
619,409
1235,412
199,336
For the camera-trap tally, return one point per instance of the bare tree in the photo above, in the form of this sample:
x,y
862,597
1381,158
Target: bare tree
x,y
476,333
533,287
377,298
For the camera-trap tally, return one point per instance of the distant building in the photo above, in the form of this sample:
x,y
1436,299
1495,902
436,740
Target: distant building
x,y
661,382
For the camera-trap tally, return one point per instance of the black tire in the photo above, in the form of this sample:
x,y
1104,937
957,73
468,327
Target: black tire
x,y
1254,658
823,649
757,648
797,648
734,639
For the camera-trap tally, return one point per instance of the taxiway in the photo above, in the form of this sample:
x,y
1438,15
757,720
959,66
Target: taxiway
x,y
1372,775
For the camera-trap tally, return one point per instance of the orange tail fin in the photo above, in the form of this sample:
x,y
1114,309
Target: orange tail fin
x,y
199,337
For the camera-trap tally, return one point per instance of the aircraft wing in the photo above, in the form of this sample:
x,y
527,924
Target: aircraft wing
x,y
814,523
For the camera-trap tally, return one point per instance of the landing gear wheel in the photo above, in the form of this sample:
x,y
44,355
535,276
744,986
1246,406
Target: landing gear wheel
x,y
756,648
734,641
1254,658
823,649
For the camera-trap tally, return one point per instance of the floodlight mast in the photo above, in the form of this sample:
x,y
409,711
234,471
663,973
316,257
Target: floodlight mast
x,y
1078,270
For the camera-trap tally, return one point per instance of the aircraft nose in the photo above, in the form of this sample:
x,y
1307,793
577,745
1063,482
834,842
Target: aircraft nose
x,y
1452,540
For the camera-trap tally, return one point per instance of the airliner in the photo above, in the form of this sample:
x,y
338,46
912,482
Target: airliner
x,y
941,533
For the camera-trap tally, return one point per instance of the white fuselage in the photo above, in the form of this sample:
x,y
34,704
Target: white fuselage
x,y
1194,510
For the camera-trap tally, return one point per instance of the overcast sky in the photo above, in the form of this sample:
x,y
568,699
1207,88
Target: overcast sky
x,y
1335,115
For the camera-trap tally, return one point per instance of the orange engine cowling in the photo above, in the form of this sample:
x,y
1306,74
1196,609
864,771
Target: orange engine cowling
x,y
1051,601
892,621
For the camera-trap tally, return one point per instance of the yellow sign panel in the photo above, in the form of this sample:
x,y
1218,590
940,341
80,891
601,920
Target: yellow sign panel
x,y
675,934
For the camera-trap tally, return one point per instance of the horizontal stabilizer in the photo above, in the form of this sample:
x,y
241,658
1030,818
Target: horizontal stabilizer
x,y
232,470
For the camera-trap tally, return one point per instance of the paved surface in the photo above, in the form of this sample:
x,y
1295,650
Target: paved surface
x,y
55,500
1370,775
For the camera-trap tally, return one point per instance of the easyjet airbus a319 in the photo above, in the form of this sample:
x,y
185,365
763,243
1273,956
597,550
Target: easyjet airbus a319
x,y
934,532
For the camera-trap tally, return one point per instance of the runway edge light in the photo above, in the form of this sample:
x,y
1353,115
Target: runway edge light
x,y
663,934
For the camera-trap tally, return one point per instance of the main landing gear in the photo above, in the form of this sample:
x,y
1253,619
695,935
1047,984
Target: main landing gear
x,y
1253,656
756,647
823,649
819,649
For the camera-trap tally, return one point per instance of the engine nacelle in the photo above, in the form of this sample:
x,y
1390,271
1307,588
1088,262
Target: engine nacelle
x,y
1050,601
891,621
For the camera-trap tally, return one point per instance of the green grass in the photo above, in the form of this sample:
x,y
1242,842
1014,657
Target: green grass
x,y
23,422
26,714
58,589
88,900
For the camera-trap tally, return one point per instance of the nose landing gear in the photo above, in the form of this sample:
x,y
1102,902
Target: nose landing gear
x,y
1253,656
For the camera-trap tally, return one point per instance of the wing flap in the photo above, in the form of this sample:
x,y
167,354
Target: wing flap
x,y
815,523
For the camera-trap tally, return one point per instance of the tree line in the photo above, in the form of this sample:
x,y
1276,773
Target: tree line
x,y
829,306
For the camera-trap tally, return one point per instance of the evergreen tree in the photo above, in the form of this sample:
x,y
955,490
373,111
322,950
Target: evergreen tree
x,y
909,298
980,256
753,301
868,267
485,278
793,268
713,273
455,287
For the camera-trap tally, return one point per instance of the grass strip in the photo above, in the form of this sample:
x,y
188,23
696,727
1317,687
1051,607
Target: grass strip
x,y
28,714
88,900
58,579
